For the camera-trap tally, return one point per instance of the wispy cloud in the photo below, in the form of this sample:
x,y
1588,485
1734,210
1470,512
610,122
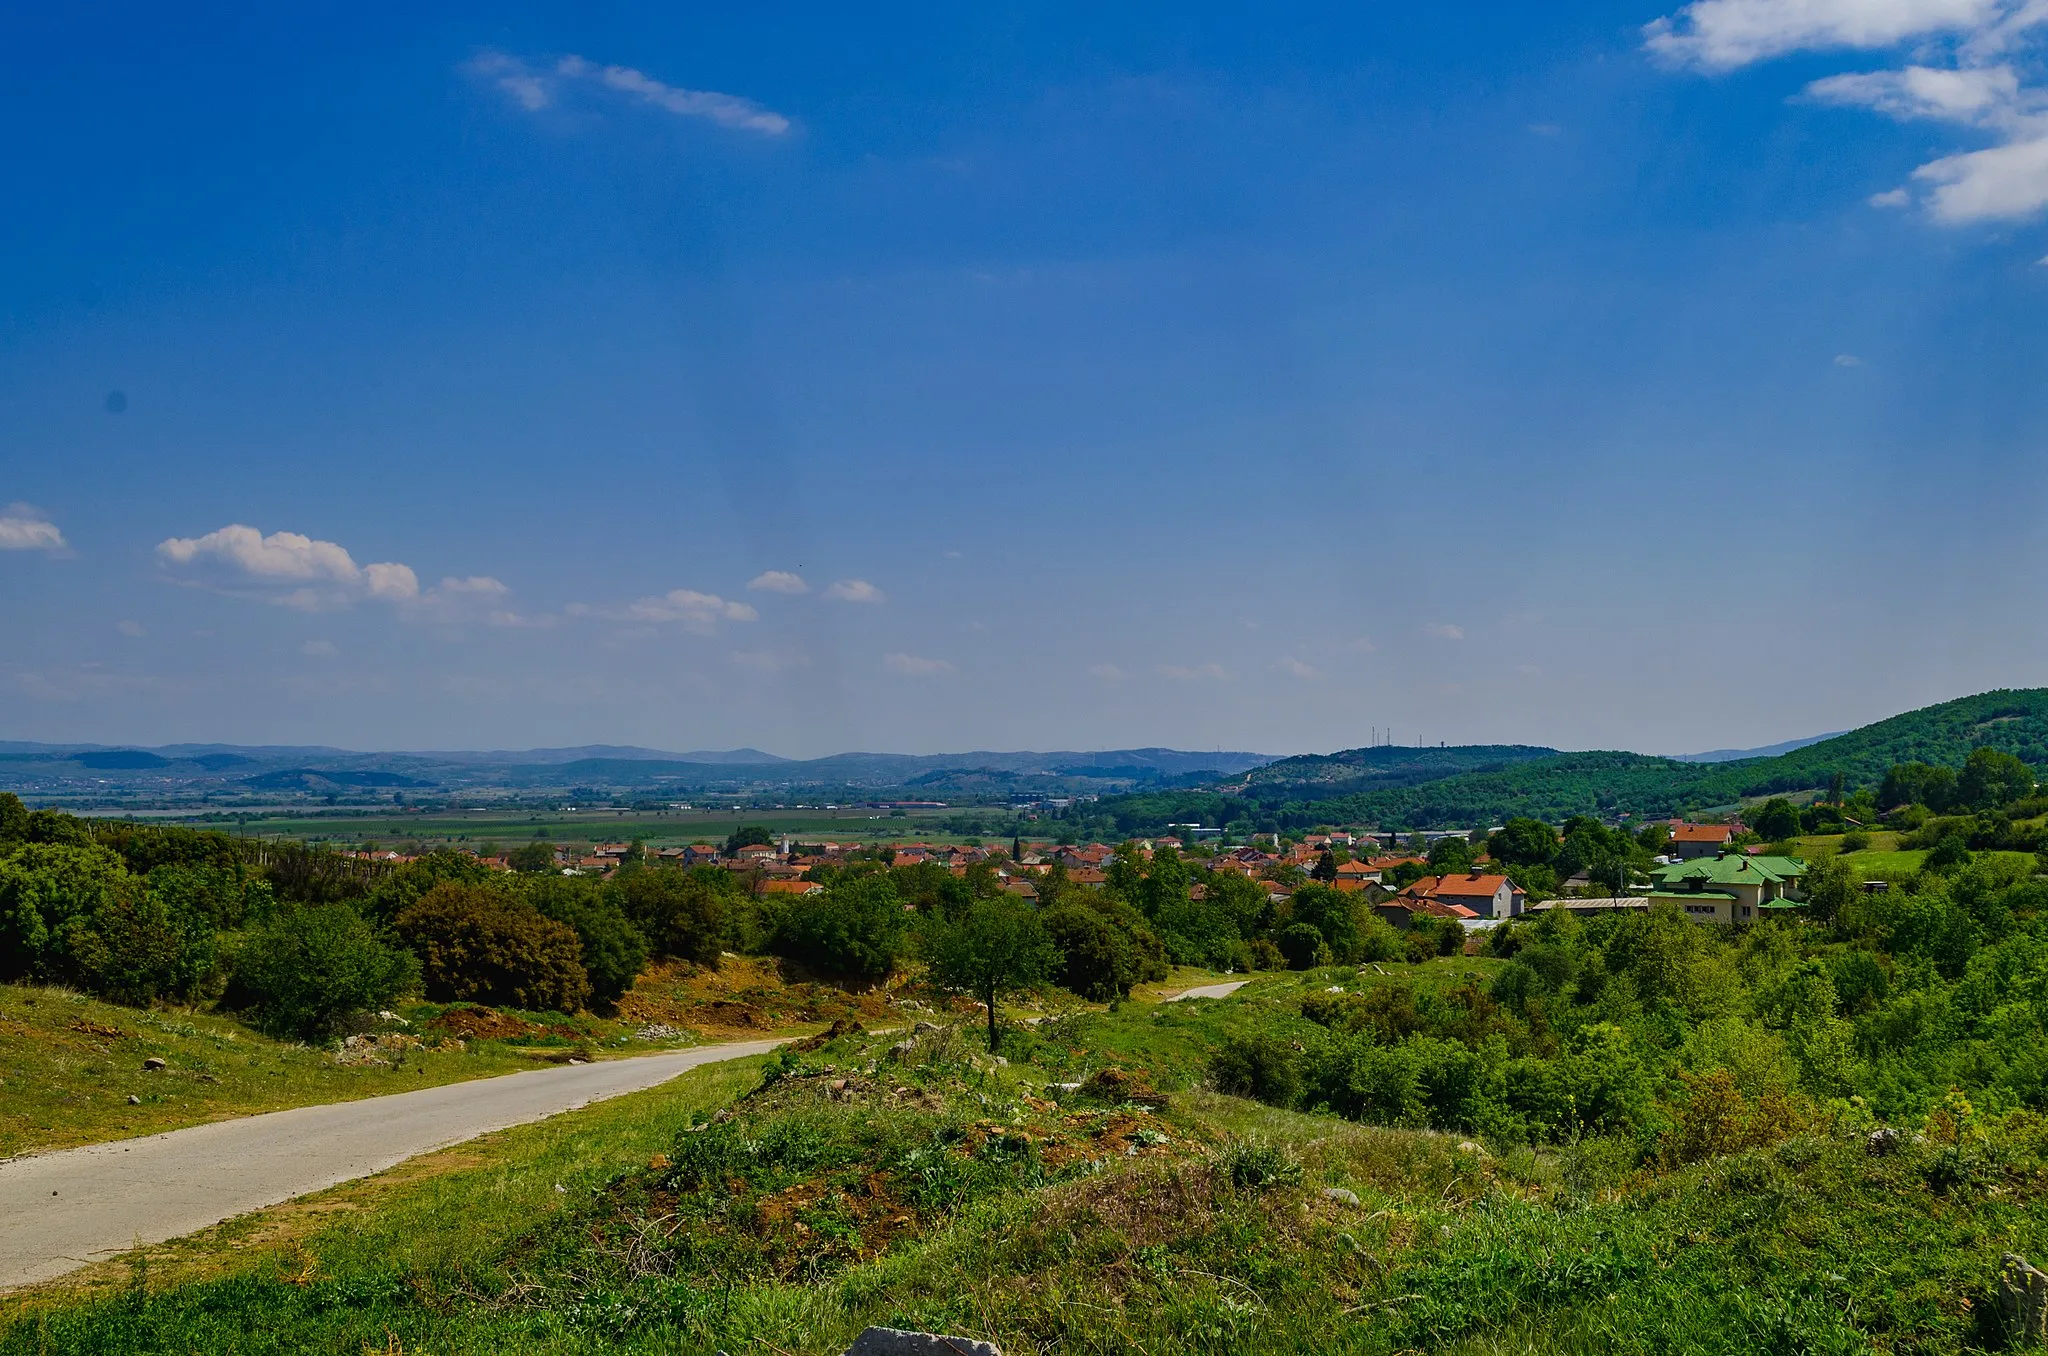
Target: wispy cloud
x,y
1848,360
1188,672
856,591
1962,71
293,570
687,608
319,649
778,581
24,527
1107,672
1294,668
130,629
771,661
1444,631
917,666
536,88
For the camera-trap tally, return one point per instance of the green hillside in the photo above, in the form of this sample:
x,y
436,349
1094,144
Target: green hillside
x,y
2012,721
1321,775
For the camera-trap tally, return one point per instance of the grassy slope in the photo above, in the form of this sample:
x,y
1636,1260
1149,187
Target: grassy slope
x,y
1789,1248
68,1064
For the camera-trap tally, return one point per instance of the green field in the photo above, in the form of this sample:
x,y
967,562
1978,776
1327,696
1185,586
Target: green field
x,y
658,829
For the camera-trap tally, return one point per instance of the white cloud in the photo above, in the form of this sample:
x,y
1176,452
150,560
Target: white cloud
x,y
319,649
1445,631
778,581
1848,360
1107,672
856,591
294,570
1193,671
1999,184
129,628
1966,96
1295,668
535,88
1970,87
688,608
24,528
916,666
1724,34
1361,645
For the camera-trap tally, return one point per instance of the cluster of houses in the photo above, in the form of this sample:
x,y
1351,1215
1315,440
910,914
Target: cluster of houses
x,y
1699,872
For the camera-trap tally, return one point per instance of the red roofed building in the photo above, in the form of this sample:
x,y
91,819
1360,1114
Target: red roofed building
x,y
1699,840
1481,896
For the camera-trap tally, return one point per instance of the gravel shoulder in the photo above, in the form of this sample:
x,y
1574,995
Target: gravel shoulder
x,y
64,1210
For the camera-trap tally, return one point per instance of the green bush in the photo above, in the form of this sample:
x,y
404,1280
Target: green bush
x,y
1256,1066
138,946
477,945
44,889
855,928
680,913
308,971
613,949
1303,945
1855,841
1105,948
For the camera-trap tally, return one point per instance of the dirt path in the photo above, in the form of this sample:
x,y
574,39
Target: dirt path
x,y
1208,991
60,1211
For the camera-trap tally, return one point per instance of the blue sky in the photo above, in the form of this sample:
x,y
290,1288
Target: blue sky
x,y
815,378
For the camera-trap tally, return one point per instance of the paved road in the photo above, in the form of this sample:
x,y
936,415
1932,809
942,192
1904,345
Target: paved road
x,y
60,1211
1210,990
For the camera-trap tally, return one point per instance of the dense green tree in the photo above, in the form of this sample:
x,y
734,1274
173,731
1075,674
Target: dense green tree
x,y
1523,842
1776,820
1450,856
45,889
13,818
1105,946
855,928
995,947
680,913
533,857
749,835
310,971
1991,779
478,944
613,949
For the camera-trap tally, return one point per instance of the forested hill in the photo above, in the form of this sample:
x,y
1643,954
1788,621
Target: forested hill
x,y
1319,776
2012,721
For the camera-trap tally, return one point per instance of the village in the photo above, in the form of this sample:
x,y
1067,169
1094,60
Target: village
x,y
1700,870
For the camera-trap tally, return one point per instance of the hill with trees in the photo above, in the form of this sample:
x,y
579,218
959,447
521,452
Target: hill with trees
x,y
1498,784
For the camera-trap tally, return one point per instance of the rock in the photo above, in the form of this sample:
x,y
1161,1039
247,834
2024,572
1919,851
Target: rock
x,y
155,1062
896,1342
1466,1146
1882,1142
133,1100
2022,1300
1340,1195
1068,1089
838,1085
924,1028
901,1049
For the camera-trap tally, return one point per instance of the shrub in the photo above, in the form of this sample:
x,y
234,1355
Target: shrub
x,y
307,971
1256,1066
1303,945
680,913
1855,841
137,946
855,928
476,945
613,950
44,888
1104,951
1952,851
1254,1165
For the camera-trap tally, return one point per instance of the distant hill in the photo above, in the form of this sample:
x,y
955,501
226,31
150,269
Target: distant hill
x,y
1762,751
1606,783
1322,776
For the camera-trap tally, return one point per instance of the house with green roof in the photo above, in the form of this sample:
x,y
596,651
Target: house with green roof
x,y
1730,888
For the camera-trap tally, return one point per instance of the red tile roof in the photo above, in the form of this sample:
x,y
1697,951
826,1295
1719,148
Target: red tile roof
x,y
1701,833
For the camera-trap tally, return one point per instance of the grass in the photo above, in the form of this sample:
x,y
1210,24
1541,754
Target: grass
x,y
69,1064
940,1191
936,1189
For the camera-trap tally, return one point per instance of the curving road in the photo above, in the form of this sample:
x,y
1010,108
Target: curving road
x,y
61,1211
1209,991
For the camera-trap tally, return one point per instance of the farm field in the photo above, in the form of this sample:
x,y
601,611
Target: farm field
x,y
473,828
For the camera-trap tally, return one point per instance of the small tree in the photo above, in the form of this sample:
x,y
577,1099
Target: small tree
x,y
534,857
998,946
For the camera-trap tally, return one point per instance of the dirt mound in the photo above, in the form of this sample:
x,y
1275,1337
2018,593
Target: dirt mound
x,y
1118,1086
845,1026
484,1024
